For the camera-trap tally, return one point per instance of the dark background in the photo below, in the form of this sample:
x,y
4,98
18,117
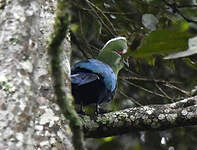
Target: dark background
x,y
154,29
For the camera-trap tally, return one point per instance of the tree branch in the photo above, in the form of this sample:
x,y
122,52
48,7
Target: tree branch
x,y
186,6
152,117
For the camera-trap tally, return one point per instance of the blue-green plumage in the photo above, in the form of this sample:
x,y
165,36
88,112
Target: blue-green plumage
x,y
98,67
94,81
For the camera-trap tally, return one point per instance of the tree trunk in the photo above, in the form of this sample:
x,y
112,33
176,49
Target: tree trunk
x,y
30,119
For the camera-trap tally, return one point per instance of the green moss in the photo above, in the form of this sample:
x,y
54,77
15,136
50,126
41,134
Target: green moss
x,y
64,100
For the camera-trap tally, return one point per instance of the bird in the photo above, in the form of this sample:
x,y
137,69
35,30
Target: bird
x,y
94,80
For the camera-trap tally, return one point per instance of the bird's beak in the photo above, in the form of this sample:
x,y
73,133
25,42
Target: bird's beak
x,y
124,51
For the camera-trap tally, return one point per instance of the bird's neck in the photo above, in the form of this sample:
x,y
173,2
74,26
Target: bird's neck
x,y
112,59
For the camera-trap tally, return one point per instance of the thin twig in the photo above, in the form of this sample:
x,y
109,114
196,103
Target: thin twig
x,y
78,44
111,12
129,71
144,89
165,83
94,8
148,80
163,92
178,89
186,6
82,33
174,7
132,99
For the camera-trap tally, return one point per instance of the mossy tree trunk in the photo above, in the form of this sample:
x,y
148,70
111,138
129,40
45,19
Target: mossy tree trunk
x,y
30,118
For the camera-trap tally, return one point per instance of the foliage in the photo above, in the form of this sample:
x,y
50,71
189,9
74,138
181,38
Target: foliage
x,y
155,29
163,41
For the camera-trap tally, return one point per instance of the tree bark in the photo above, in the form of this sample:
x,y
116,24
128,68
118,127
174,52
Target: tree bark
x,y
152,117
30,118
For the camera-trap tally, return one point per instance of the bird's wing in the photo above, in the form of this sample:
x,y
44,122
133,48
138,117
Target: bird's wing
x,y
97,67
82,78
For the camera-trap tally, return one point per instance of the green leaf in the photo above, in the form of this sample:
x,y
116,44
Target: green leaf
x,y
163,41
192,50
74,27
108,139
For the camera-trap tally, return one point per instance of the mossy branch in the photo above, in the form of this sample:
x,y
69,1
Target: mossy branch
x,y
64,99
152,117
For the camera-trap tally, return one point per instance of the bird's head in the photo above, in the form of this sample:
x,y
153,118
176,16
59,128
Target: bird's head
x,y
118,45
112,53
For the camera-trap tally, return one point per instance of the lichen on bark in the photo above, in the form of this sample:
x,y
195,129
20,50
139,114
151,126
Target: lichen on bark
x,y
152,117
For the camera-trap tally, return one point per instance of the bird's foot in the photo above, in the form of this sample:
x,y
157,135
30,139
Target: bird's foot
x,y
97,110
101,111
96,113
81,112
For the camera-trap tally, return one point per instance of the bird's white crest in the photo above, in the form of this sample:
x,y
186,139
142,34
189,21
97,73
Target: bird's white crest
x,y
114,39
